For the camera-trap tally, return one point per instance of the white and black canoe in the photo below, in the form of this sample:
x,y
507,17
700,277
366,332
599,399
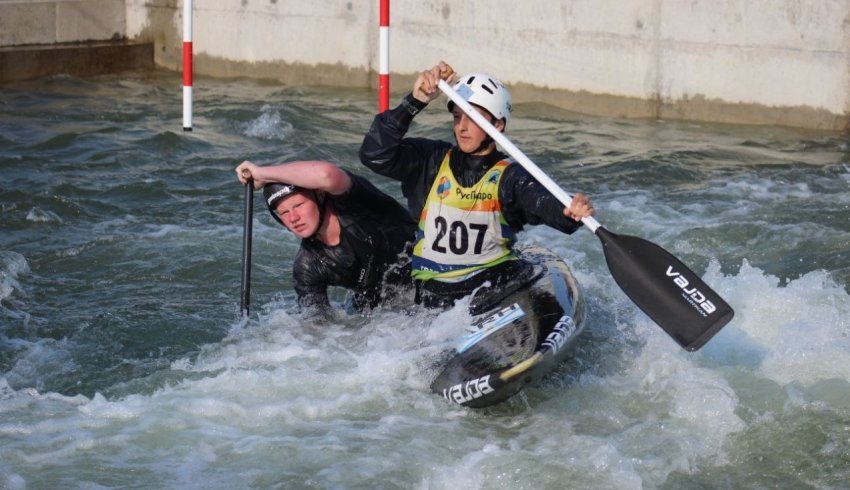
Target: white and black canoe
x,y
520,331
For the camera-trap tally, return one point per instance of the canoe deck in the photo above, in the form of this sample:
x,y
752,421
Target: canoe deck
x,y
519,338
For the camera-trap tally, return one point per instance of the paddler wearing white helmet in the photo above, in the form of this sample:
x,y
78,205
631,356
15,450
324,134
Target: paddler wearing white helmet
x,y
470,198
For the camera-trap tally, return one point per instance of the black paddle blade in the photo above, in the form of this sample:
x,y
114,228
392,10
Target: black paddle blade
x,y
665,289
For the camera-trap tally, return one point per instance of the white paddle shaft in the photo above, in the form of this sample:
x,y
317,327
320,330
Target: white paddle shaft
x,y
515,152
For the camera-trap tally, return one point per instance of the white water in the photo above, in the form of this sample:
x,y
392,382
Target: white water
x,y
124,363
280,403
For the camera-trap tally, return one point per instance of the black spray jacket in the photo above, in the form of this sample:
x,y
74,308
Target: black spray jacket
x,y
415,162
375,231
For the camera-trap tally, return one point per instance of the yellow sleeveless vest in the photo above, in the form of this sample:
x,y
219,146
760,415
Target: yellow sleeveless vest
x,y
461,229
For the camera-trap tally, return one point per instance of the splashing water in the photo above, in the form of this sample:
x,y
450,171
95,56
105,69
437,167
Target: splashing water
x,y
124,363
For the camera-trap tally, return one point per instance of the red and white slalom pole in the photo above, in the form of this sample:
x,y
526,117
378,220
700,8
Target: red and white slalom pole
x,y
187,65
384,53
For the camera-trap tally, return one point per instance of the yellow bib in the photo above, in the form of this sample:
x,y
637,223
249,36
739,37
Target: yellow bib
x,y
461,229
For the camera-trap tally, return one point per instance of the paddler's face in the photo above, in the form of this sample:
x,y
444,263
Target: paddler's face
x,y
299,213
470,136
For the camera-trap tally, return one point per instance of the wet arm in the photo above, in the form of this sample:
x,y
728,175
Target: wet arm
x,y
411,161
309,174
384,149
526,201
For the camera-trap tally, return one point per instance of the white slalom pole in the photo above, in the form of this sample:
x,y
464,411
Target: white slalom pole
x,y
187,65
384,53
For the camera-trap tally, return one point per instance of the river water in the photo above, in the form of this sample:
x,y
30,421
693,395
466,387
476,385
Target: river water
x,y
125,363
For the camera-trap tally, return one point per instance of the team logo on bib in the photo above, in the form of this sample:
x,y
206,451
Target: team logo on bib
x,y
493,177
443,187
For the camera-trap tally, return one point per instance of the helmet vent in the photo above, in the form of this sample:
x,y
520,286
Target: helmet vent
x,y
483,90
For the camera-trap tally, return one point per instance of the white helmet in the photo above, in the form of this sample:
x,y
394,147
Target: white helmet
x,y
485,91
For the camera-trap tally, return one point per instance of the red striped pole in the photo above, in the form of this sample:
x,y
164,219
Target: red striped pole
x,y
384,64
187,65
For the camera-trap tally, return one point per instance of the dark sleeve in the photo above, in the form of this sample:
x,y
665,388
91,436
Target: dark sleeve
x,y
311,285
526,201
364,194
412,161
377,219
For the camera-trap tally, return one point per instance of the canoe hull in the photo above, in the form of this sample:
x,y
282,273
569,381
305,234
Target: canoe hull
x,y
519,339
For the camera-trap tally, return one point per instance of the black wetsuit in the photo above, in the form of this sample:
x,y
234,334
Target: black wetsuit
x,y
415,163
375,232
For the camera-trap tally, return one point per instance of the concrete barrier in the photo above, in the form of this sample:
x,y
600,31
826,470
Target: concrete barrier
x,y
741,61
75,37
78,59
25,22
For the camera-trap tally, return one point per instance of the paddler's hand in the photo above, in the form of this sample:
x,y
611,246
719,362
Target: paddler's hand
x,y
426,88
580,207
248,170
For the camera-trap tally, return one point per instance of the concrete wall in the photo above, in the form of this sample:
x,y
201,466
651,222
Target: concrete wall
x,y
321,42
24,22
77,37
783,62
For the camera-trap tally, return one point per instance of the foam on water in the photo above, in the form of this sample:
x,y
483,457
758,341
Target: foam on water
x,y
257,389
123,365
796,333
12,264
42,216
279,384
269,125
